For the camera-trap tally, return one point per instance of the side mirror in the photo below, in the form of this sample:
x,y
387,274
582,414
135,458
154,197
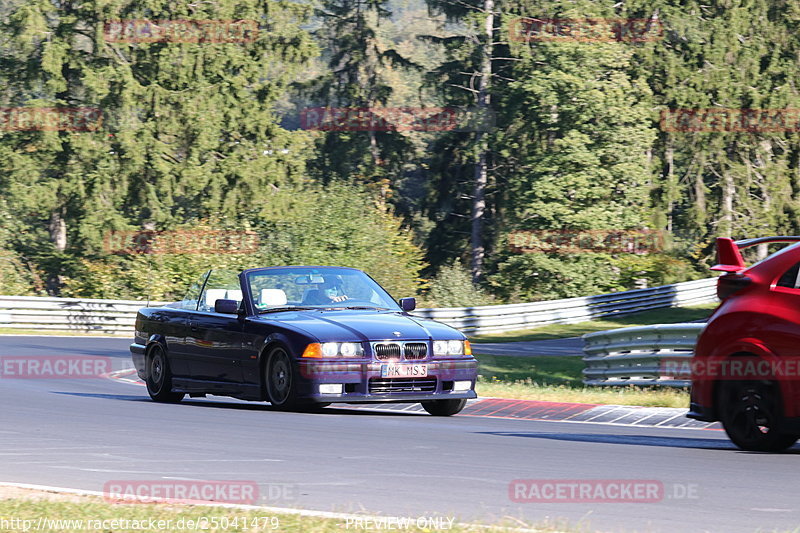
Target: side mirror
x,y
226,307
408,304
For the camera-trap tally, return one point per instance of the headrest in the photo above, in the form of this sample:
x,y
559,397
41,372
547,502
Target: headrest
x,y
273,297
212,295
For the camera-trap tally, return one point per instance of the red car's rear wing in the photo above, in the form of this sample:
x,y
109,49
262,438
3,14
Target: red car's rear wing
x,y
729,256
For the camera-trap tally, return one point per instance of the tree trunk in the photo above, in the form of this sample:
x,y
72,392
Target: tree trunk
x,y
728,191
481,171
670,184
58,230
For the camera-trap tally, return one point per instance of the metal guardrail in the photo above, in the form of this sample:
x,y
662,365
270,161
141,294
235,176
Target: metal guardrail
x,y
118,316
69,314
495,318
636,356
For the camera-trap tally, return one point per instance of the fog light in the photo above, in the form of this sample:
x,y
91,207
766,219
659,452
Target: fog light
x,y
332,388
462,386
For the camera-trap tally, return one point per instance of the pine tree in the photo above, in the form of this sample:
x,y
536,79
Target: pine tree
x,y
727,56
463,171
358,63
188,129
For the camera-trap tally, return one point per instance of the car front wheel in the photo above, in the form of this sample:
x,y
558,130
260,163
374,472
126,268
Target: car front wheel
x,y
159,377
751,413
444,407
279,379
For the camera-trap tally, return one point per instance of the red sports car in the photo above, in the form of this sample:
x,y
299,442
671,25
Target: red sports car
x,y
746,367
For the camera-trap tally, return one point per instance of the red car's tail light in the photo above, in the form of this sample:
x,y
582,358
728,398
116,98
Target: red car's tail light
x,y
731,283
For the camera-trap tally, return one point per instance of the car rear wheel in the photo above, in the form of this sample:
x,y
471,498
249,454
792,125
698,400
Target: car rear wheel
x,y
159,377
444,407
752,414
279,379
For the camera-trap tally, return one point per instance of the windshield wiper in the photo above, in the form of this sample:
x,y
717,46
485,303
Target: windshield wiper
x,y
289,308
364,307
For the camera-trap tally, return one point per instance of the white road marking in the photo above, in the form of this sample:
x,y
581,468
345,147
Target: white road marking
x,y
281,510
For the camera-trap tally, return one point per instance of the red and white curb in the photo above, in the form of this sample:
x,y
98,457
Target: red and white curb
x,y
617,415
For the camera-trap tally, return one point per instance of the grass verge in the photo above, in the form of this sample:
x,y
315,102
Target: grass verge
x,y
667,315
559,379
44,511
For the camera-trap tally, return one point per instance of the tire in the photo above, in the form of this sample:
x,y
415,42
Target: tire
x,y
159,377
752,414
279,380
444,407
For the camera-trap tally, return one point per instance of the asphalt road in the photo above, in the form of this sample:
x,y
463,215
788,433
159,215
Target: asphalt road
x,y
83,433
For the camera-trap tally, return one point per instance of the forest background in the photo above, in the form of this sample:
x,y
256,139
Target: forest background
x,y
576,132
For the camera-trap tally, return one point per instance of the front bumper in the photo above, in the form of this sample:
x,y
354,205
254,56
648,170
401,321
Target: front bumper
x,y
395,397
701,412
362,381
137,354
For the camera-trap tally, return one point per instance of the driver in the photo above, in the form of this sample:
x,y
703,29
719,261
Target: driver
x,y
329,291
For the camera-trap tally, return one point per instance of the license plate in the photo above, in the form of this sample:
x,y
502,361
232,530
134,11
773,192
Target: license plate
x,y
393,370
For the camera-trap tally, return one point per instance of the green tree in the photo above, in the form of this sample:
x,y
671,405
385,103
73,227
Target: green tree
x,y
452,286
465,78
723,55
337,225
188,130
359,64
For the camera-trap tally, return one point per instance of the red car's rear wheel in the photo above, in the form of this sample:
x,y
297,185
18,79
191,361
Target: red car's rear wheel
x,y
752,415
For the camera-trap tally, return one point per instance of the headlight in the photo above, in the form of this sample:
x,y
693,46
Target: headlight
x,y
349,349
330,349
342,349
439,347
448,348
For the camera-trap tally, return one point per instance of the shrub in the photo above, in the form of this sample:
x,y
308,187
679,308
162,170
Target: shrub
x,y
337,225
452,287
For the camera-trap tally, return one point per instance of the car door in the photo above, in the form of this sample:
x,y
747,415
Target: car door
x,y
214,340
176,327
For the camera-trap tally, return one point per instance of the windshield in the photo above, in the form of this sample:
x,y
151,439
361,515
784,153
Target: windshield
x,y
316,287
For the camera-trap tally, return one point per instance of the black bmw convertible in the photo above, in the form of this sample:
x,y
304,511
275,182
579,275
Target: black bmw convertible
x,y
300,337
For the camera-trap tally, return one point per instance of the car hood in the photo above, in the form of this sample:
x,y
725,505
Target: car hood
x,y
362,325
